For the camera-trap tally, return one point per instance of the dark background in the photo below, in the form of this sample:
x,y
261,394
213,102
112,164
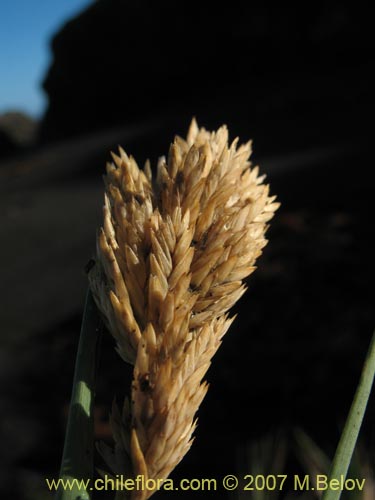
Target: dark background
x,y
298,81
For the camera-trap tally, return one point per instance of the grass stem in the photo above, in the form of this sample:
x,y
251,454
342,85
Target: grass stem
x,y
77,460
353,423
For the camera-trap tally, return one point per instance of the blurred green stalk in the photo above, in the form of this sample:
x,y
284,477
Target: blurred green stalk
x,y
353,423
78,454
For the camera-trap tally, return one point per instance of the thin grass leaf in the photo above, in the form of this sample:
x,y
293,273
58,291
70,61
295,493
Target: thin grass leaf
x,y
353,423
77,461
311,456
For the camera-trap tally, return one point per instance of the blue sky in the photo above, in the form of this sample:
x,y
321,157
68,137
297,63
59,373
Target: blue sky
x,y
25,29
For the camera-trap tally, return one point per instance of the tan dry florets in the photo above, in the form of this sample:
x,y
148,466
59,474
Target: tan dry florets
x,y
171,257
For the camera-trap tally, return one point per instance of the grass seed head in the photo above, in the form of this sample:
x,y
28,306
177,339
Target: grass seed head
x,y
171,257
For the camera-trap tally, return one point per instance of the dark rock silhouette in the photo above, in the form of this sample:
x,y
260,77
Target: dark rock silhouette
x,y
17,132
120,61
7,145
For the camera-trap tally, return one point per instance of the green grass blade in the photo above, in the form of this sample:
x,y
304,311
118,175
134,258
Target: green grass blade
x,y
353,423
77,461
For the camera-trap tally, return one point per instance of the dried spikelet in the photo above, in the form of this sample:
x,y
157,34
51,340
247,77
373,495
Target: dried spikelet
x,y
171,258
